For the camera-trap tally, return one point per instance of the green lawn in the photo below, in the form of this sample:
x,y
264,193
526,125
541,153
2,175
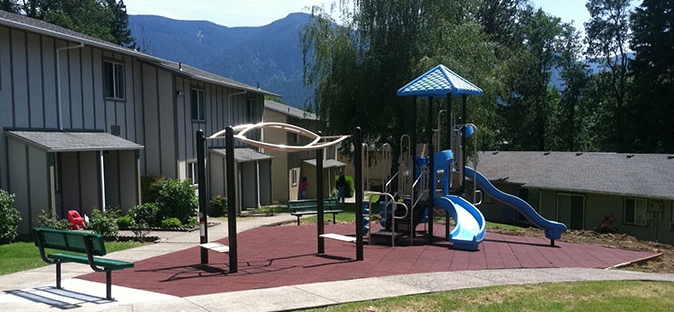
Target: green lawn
x,y
578,296
22,256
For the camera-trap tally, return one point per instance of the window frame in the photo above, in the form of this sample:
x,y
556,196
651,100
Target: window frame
x,y
192,172
198,104
114,80
635,215
568,223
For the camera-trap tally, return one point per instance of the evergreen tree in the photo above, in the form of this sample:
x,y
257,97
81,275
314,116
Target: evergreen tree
x,y
653,72
119,27
607,37
9,6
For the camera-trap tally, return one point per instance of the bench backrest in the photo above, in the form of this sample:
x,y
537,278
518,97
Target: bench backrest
x,y
311,203
67,240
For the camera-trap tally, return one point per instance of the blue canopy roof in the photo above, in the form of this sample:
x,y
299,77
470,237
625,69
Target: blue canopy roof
x,y
439,82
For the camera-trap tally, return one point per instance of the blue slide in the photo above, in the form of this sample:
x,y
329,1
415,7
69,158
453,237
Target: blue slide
x,y
553,230
470,228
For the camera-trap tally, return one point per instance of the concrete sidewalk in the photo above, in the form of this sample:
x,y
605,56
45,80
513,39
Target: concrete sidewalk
x,y
33,290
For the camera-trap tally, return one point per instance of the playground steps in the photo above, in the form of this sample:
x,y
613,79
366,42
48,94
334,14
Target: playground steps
x,y
384,237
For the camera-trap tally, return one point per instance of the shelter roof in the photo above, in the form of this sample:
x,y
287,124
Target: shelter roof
x,y
439,81
243,154
60,141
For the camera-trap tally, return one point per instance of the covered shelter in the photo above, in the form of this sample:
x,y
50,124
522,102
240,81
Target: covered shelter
x,y
59,171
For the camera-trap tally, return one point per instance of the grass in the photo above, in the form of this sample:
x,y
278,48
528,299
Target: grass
x,y
577,296
21,256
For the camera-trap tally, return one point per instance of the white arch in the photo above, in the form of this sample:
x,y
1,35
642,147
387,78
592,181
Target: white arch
x,y
317,141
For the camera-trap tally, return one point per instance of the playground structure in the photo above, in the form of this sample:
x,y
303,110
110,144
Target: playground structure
x,y
429,179
318,143
426,181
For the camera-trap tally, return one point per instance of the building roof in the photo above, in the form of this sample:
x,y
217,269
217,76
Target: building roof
x,y
639,175
289,110
439,81
242,154
327,163
58,141
41,27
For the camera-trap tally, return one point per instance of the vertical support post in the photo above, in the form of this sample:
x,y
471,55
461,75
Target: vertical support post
x,y
102,177
413,131
450,132
203,202
231,200
464,114
448,107
431,172
320,222
358,186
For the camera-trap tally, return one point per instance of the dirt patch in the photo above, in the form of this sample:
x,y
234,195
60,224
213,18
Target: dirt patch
x,y
661,264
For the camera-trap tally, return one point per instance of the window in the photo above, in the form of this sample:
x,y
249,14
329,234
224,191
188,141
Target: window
x,y
571,210
635,211
197,102
192,171
113,80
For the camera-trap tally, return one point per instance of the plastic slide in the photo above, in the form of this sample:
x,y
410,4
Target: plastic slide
x,y
553,230
470,228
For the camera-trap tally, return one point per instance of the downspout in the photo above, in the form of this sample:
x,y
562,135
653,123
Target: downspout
x,y
102,164
58,82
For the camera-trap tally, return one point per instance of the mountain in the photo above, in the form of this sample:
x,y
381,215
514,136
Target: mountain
x,y
268,56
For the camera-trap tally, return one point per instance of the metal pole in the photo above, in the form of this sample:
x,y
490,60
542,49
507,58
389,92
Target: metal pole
x,y
431,176
358,186
203,208
231,200
464,114
320,224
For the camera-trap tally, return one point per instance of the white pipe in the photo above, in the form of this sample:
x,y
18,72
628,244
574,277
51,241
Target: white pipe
x,y
58,82
102,164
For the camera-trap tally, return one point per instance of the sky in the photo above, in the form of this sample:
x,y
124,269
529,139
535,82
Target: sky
x,y
236,13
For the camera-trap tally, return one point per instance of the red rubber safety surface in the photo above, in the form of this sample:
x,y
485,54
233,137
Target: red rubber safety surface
x,y
287,255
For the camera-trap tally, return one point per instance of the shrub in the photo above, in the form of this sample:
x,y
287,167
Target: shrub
x,y
177,199
48,220
104,223
125,222
218,206
9,223
171,223
149,188
144,214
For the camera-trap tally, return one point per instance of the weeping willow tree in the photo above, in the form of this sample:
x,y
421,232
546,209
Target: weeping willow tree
x,y
357,63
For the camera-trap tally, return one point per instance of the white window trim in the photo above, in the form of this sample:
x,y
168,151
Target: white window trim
x,y
117,94
636,200
201,109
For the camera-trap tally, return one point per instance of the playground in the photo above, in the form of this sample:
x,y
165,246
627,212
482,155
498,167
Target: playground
x,y
275,256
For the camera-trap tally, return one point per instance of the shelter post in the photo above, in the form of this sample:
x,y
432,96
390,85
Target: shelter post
x,y
203,202
358,186
231,200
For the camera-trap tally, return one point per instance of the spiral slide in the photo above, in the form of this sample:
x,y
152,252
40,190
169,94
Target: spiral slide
x,y
553,230
470,225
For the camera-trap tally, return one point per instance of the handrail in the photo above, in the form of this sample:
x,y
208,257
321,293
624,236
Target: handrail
x,y
394,205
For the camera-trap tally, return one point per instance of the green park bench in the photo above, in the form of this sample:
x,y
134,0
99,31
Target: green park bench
x,y
80,247
305,207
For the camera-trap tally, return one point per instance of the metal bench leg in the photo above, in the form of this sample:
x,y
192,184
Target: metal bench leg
x,y
298,220
58,275
108,285
333,218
